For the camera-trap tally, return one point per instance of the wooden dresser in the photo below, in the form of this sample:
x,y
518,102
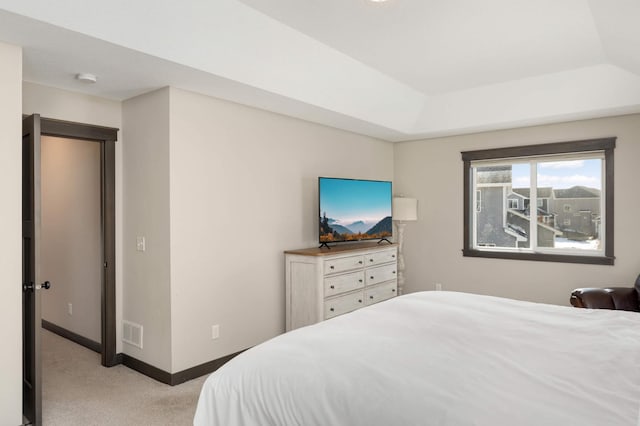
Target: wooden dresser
x,y
324,283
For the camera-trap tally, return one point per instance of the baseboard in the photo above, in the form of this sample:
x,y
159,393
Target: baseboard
x,y
141,366
146,369
74,337
201,370
175,378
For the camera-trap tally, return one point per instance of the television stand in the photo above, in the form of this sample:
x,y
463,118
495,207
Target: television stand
x,y
384,239
325,245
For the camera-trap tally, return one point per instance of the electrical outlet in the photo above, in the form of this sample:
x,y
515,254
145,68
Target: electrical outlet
x,y
70,308
215,332
438,286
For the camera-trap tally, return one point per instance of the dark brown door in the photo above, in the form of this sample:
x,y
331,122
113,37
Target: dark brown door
x,y
31,281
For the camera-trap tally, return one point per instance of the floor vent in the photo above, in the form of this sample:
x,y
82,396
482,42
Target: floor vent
x,y
132,333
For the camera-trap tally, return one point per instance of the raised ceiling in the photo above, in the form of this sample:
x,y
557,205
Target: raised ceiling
x,y
399,70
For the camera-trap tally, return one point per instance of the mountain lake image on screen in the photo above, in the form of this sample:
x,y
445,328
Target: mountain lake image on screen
x,y
354,210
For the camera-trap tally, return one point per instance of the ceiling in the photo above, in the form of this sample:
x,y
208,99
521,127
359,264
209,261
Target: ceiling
x,y
398,70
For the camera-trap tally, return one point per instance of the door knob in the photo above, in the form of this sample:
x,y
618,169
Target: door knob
x,y
29,286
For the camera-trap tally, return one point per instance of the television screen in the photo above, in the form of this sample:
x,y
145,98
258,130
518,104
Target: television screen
x,y
354,210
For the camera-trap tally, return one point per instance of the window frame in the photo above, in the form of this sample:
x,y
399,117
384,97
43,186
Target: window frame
x,y
602,145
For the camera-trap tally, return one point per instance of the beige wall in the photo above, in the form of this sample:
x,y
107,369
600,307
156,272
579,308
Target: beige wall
x,y
243,189
226,161
10,230
71,248
146,213
60,104
431,170
219,191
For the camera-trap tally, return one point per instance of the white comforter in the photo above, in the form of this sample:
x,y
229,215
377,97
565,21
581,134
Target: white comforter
x,y
438,358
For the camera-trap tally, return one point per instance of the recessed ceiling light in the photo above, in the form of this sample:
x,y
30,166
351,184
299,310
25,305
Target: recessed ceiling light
x,y
86,78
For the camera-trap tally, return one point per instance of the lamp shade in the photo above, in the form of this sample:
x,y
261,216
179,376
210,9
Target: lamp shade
x,y
405,209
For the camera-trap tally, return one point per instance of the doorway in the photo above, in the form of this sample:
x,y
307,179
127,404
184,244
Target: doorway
x,y
71,240
33,282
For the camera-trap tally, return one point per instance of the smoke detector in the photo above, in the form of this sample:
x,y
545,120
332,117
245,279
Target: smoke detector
x,y
86,78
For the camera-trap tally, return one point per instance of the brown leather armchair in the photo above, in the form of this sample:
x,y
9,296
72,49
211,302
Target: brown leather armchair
x,y
622,298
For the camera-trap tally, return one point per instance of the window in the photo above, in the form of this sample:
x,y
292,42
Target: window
x,y
571,176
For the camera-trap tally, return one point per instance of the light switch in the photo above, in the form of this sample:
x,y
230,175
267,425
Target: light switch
x,y
140,244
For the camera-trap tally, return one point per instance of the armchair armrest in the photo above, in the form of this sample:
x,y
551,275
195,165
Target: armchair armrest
x,y
622,298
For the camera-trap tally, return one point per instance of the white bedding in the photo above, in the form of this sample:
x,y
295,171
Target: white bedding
x,y
438,358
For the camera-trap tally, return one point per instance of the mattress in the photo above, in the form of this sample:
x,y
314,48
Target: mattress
x,y
438,358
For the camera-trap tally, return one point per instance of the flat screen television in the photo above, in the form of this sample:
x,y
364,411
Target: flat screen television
x,y
354,210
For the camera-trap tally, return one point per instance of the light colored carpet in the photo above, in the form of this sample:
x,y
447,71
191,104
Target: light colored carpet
x,y
77,390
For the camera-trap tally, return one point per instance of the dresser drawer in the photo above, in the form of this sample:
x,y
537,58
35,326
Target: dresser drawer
x,y
331,266
343,283
343,304
380,257
380,274
380,292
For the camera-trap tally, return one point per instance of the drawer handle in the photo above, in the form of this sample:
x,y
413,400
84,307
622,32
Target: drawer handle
x,y
331,267
371,277
370,297
393,272
331,309
359,300
360,280
393,290
393,256
332,287
370,260
360,262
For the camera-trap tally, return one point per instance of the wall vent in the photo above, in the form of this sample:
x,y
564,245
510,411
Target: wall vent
x,y
132,333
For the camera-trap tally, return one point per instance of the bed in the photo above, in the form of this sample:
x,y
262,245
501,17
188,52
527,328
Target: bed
x,y
438,358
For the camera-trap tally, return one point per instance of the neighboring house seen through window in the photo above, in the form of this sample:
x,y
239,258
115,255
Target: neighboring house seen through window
x,y
569,183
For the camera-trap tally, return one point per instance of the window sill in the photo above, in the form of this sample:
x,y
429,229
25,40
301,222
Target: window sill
x,y
540,257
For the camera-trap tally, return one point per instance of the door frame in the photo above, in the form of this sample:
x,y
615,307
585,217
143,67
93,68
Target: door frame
x,y
106,136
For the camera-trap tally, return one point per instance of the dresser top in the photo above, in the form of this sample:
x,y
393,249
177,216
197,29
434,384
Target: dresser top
x,y
341,248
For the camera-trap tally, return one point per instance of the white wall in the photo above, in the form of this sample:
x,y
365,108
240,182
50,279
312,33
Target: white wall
x,y
431,170
10,230
71,243
146,213
60,104
243,190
